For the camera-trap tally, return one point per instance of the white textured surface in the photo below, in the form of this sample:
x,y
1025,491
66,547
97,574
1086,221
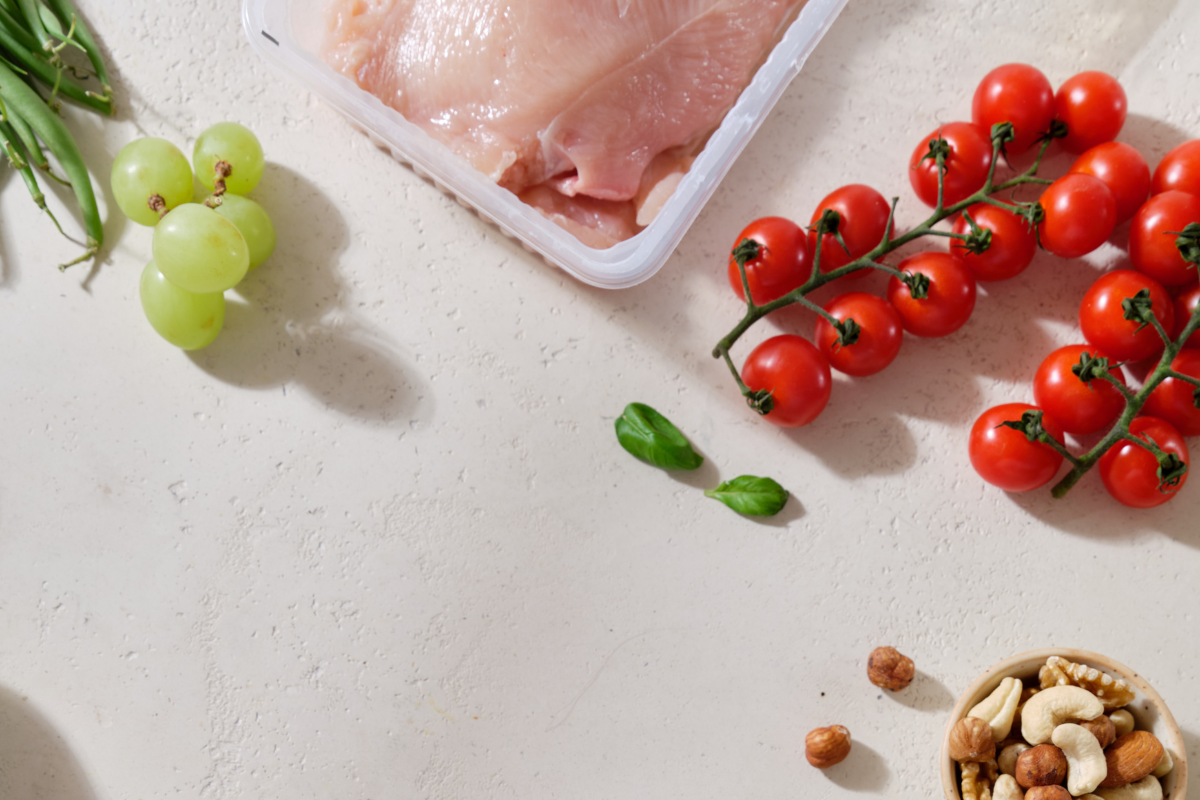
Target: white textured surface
x,y
379,541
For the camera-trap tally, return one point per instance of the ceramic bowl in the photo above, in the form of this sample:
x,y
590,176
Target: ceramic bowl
x,y
1148,709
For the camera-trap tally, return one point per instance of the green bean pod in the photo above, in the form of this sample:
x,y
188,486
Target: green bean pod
x,y
28,140
25,103
8,140
30,60
68,15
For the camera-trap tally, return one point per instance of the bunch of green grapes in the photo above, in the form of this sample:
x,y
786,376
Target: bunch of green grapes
x,y
200,248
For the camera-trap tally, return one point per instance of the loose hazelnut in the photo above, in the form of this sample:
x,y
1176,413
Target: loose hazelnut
x,y
1044,765
971,740
889,669
1048,793
825,747
1102,728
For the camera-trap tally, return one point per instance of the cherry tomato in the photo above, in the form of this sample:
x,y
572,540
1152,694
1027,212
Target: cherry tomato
x,y
951,294
1123,170
1093,106
1016,93
1012,247
1005,457
864,214
1077,407
1103,322
783,261
1179,169
1081,213
795,373
878,340
1185,306
1130,471
1175,400
966,166
1152,241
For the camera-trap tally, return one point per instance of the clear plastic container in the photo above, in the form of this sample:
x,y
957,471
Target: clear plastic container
x,y
287,33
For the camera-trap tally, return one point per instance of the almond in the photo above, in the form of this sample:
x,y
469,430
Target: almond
x,y
1131,757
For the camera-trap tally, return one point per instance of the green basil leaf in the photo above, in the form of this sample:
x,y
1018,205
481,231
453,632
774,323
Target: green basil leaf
x,y
751,495
650,436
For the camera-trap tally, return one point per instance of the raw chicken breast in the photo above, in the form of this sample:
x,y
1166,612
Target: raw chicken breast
x,y
590,110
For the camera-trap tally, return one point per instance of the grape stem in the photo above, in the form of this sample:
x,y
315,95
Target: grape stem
x,y
157,204
221,171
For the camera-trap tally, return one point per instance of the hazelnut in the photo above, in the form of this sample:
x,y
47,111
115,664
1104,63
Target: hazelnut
x,y
889,669
1044,765
1048,793
1102,728
971,740
824,747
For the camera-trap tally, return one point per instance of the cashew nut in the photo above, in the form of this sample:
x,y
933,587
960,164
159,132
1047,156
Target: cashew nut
x,y
1051,707
1148,788
1122,720
1006,788
999,707
1165,765
1086,766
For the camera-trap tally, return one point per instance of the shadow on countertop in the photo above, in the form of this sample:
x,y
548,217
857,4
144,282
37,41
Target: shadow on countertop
x,y
286,323
35,762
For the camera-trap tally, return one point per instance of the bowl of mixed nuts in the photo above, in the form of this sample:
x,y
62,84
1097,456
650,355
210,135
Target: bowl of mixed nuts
x,y
1062,724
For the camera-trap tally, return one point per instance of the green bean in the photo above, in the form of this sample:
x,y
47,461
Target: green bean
x,y
68,16
10,21
27,104
7,140
33,21
30,61
25,134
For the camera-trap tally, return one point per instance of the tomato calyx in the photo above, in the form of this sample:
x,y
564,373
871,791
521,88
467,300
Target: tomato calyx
x,y
979,240
1188,242
1171,468
1030,424
830,223
1058,130
848,331
760,400
1140,308
1092,367
917,283
1002,133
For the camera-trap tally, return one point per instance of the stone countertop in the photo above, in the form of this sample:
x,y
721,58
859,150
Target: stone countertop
x,y
378,541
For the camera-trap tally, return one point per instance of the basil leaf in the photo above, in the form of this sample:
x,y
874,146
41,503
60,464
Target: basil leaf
x,y
751,495
650,436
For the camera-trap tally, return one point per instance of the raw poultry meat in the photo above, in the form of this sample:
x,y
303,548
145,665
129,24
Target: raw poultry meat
x,y
589,110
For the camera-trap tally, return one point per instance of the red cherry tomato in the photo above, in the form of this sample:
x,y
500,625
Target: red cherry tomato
x,y
1012,247
864,214
966,166
795,373
1179,170
1185,306
1103,322
1175,400
951,296
878,340
1123,170
1130,471
1081,213
783,261
1005,457
1093,106
1016,93
1077,407
1152,237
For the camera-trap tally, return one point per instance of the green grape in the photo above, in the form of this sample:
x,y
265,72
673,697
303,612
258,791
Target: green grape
x,y
183,318
253,223
234,143
199,250
146,167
